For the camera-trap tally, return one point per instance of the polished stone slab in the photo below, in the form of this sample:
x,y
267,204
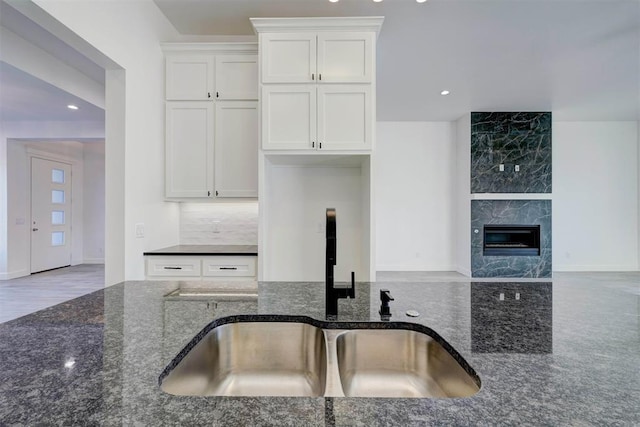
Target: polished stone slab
x,y
520,142
96,360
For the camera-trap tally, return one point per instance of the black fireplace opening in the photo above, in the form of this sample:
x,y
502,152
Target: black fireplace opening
x,y
511,240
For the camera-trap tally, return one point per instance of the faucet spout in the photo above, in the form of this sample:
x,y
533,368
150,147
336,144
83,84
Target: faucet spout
x,y
332,294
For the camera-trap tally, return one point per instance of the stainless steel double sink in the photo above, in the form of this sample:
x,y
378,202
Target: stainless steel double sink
x,y
300,356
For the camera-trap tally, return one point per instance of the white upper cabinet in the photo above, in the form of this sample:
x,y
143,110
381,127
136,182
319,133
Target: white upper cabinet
x,y
236,151
237,77
317,83
289,117
340,57
345,57
189,77
189,149
345,119
288,58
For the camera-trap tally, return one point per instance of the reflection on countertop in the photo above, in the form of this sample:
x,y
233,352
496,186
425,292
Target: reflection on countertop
x,y
511,317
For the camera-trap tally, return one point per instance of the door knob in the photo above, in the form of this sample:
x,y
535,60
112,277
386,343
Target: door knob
x,y
35,229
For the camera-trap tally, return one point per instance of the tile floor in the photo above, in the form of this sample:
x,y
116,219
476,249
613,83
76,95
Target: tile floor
x,y
24,295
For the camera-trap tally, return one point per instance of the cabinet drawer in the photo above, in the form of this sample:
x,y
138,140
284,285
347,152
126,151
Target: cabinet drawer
x,y
173,267
229,266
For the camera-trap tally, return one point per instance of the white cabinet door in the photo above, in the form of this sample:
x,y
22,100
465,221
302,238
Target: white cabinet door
x,y
345,117
345,57
189,77
289,117
237,77
236,151
288,58
189,149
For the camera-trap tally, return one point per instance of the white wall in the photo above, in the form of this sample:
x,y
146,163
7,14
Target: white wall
x,y
233,223
94,206
13,249
415,196
129,34
463,191
595,196
295,240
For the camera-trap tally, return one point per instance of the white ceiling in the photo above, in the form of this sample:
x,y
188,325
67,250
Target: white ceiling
x,y
27,98
577,58
24,97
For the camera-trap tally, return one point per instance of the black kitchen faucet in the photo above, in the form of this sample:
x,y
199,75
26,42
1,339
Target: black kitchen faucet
x,y
332,294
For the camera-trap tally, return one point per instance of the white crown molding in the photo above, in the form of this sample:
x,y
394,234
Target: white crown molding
x,y
352,23
235,48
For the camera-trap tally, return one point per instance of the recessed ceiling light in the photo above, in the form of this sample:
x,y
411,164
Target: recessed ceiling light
x,y
333,1
377,1
72,107
421,1
445,92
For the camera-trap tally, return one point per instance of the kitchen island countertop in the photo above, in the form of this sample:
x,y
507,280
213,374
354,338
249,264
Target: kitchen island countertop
x,y
565,352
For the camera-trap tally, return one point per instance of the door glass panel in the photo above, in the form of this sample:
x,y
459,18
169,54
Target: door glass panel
x,y
57,196
57,176
57,217
57,238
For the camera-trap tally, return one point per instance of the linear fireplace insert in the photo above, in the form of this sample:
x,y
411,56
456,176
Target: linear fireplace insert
x,y
511,240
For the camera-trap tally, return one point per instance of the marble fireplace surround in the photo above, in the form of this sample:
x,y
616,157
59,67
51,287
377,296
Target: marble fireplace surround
x,y
510,212
511,181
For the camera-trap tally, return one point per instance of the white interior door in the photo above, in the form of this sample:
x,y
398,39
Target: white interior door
x,y
50,214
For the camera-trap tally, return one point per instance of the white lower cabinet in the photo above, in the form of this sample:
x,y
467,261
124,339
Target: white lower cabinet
x,y
180,267
177,266
229,266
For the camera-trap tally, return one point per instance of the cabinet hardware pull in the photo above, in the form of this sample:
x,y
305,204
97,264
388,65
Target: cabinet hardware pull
x,y
208,94
321,145
34,229
319,76
173,268
313,76
228,268
208,193
313,144
217,95
216,192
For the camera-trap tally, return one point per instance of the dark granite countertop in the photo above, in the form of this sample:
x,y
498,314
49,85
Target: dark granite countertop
x,y
566,352
204,250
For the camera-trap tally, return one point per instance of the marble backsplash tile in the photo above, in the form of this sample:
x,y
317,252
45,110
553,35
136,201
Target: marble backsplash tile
x,y
219,223
516,141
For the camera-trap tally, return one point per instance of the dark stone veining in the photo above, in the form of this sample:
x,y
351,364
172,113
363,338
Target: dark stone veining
x,y
510,139
513,212
121,342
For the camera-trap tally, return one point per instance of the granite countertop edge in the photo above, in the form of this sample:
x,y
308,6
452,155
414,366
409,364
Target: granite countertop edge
x,y
205,250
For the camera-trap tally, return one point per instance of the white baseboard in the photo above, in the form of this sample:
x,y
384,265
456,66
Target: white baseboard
x,y
396,267
463,271
14,274
594,268
93,261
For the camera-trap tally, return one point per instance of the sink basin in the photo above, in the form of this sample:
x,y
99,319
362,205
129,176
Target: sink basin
x,y
253,359
269,355
399,363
